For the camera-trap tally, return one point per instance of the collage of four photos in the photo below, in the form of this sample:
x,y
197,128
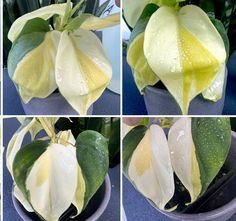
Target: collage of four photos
x,y
118,110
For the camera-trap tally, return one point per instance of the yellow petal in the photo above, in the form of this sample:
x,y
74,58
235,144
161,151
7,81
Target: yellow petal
x,y
143,74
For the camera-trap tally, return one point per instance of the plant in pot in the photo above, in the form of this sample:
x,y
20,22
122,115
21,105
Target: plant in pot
x,y
185,171
178,52
55,56
58,176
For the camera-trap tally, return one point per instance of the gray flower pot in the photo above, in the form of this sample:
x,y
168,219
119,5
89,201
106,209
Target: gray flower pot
x,y
54,104
107,104
93,211
228,194
161,102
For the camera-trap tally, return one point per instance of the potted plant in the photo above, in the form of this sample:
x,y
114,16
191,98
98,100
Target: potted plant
x,y
58,177
178,52
187,171
72,66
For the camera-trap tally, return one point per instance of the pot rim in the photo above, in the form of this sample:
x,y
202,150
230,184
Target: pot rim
x,y
100,210
227,208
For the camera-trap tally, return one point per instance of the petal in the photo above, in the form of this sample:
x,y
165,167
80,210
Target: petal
x,y
44,13
143,74
52,181
215,91
150,167
183,156
96,23
185,55
86,71
24,58
133,10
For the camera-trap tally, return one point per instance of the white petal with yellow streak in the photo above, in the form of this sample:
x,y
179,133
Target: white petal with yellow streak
x,y
85,72
52,181
35,73
67,139
185,55
183,156
44,13
150,167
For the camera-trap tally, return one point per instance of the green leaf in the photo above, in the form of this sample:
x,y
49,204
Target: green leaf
x,y
34,25
76,22
111,130
221,29
208,6
130,142
92,156
24,161
212,139
101,8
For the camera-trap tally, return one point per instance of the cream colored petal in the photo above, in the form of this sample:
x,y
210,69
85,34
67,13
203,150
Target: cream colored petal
x,y
215,91
35,73
133,10
86,71
143,74
52,181
96,23
150,167
44,13
183,156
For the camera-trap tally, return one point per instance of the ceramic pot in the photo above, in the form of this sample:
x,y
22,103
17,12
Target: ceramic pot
x,y
161,102
93,211
54,104
223,205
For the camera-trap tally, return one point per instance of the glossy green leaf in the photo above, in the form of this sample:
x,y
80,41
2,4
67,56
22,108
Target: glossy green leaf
x,y
92,156
212,138
34,25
